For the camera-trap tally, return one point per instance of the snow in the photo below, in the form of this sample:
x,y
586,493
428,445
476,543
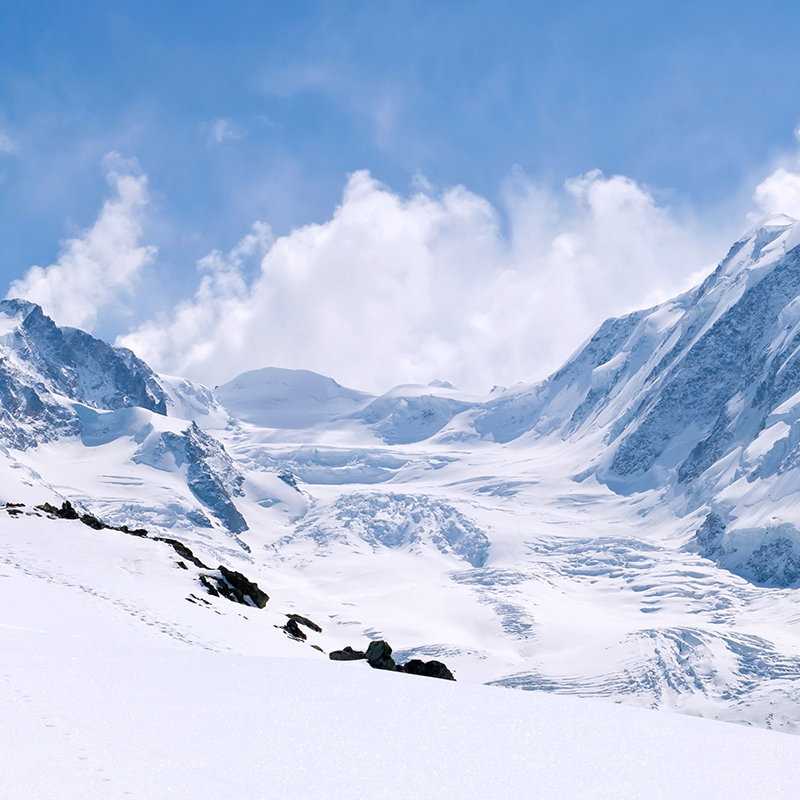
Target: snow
x,y
284,398
119,688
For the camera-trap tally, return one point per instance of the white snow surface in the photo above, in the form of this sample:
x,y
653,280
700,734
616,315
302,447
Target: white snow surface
x,y
113,686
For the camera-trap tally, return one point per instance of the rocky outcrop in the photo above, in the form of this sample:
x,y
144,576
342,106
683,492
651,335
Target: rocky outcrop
x,y
430,669
65,512
379,656
305,621
40,364
210,473
68,512
223,582
293,629
182,550
234,586
347,654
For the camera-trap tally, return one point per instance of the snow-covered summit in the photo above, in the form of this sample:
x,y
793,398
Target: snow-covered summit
x,y
44,367
288,398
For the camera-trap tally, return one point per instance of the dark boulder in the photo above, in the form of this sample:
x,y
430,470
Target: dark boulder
x,y
379,656
235,587
132,532
348,654
93,522
293,629
305,621
65,512
244,588
210,588
430,669
181,549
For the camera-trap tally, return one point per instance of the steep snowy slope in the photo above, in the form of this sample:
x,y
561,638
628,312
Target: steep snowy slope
x,y
43,366
121,678
699,396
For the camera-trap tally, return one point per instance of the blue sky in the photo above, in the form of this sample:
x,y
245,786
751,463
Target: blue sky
x,y
243,112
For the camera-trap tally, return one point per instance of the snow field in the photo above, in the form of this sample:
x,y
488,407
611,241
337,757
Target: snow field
x,y
93,721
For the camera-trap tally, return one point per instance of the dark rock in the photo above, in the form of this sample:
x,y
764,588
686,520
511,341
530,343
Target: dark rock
x,y
348,654
293,629
65,512
243,588
182,565
379,656
135,532
430,669
15,505
235,587
317,647
305,621
93,522
210,588
182,550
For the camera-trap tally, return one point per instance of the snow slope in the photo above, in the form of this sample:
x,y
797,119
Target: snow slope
x,y
113,686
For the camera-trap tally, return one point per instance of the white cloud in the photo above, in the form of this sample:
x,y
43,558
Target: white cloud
x,y
395,289
95,268
223,130
7,144
780,193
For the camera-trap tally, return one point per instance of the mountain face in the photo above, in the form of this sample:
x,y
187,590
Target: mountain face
x,y
628,528
699,395
42,367
680,386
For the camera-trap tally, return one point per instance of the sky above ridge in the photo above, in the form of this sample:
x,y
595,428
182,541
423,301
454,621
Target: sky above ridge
x,y
383,192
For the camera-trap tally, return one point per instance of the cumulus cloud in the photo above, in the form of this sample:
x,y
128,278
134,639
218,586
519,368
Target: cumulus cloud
x,y
223,130
780,193
406,289
95,268
7,144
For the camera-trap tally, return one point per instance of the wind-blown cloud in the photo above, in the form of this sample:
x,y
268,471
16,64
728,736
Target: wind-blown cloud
x,y
223,130
395,289
95,268
7,144
779,192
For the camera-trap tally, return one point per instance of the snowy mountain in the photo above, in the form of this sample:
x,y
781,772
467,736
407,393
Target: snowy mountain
x,y
626,529
43,367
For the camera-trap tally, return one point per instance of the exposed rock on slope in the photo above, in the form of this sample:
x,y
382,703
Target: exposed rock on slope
x,y
210,473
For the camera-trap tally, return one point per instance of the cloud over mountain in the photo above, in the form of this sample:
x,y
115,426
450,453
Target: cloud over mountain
x,y
101,264
396,288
